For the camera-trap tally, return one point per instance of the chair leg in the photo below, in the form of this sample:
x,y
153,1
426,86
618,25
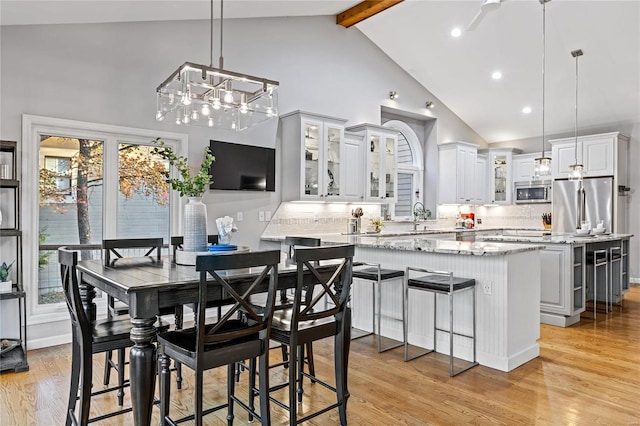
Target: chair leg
x,y
120,377
293,406
341,379
85,387
107,368
198,399
179,317
252,385
75,378
300,361
312,366
265,405
165,387
285,355
231,384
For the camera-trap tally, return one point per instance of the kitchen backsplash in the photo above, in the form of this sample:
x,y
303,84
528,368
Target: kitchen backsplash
x,y
318,218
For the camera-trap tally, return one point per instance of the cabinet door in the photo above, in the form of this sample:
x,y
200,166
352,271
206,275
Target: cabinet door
x,y
481,180
333,150
597,155
312,133
555,280
563,159
499,178
352,177
467,193
373,167
389,154
523,169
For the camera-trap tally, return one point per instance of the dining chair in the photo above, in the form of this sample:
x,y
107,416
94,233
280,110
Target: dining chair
x,y
116,252
90,338
309,320
227,340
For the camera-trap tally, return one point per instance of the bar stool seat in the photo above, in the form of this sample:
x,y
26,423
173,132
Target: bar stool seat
x,y
376,274
439,282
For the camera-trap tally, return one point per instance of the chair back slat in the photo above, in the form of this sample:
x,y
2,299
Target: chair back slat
x,y
211,269
292,241
115,247
68,260
337,286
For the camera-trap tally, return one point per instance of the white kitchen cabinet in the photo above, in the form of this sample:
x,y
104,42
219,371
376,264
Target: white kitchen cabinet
x,y
601,155
354,170
500,174
457,173
524,166
562,283
313,154
381,147
482,172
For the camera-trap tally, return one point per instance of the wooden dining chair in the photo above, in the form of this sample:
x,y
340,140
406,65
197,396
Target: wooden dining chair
x,y
89,338
227,340
311,320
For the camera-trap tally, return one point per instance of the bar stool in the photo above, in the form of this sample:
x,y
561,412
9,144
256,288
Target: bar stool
x,y
439,282
615,260
377,275
598,259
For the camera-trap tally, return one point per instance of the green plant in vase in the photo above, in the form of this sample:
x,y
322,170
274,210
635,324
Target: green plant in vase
x,y
377,224
4,275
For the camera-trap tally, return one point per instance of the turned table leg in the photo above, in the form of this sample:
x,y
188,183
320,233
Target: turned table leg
x,y
142,371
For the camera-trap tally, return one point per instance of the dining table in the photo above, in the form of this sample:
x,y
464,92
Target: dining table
x,y
146,286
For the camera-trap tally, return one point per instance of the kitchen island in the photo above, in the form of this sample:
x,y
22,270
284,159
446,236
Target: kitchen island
x,y
507,294
568,275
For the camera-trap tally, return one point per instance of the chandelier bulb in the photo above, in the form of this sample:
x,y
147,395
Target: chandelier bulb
x,y
186,98
205,109
210,122
178,120
185,118
228,97
243,104
159,116
194,115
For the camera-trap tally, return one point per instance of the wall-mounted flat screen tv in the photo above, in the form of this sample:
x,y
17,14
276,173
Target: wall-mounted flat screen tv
x,y
243,167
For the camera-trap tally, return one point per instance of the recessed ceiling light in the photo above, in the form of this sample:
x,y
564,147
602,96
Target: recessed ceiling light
x,y
526,110
497,75
456,32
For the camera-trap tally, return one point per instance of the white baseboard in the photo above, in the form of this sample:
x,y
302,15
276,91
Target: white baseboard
x,y
46,342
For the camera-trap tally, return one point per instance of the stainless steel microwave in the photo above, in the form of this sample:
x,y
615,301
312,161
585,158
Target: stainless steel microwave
x,y
533,192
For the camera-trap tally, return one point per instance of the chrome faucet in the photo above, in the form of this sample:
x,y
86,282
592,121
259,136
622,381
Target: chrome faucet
x,y
417,213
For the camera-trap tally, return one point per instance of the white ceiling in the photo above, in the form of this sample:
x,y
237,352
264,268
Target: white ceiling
x,y
415,34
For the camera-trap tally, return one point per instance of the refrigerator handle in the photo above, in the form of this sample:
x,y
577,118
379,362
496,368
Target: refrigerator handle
x,y
581,199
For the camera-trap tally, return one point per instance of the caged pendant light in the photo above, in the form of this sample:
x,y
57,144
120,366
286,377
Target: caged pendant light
x,y
206,96
577,170
542,165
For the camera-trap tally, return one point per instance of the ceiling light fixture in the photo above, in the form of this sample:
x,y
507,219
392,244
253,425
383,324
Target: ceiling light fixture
x,y
497,75
577,170
526,110
429,105
542,165
456,32
214,97
393,95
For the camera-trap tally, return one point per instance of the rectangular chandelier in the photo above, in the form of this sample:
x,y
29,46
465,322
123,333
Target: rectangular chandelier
x,y
212,97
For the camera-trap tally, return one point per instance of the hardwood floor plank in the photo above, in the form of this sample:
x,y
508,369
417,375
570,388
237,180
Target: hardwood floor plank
x,y
586,374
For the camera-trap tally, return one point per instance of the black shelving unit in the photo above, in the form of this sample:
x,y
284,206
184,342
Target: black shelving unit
x,y
13,350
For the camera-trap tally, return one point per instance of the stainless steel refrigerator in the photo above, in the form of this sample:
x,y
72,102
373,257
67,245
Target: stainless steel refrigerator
x,y
567,200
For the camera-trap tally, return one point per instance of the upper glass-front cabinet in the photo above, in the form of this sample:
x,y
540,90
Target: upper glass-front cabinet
x,y
381,148
500,174
312,157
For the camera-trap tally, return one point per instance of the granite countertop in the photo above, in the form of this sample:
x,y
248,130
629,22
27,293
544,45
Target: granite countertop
x,y
420,243
554,238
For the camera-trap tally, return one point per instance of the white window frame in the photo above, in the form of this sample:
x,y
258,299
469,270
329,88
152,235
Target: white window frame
x,y
416,168
33,127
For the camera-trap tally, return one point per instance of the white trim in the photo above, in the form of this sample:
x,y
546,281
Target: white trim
x,y
32,127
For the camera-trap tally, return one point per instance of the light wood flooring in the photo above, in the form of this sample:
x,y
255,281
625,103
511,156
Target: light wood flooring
x,y
587,374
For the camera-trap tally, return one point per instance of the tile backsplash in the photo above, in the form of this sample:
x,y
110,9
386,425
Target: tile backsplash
x,y
317,218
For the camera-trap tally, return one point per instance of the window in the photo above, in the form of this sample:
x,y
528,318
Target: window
x,y
410,172
92,181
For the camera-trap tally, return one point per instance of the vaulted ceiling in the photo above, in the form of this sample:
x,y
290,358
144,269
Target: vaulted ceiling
x,y
416,35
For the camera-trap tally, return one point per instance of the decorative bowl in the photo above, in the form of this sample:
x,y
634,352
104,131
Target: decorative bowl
x,y
582,231
598,230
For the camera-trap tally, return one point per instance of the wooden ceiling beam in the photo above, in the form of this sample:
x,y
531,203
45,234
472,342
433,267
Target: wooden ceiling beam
x,y
362,11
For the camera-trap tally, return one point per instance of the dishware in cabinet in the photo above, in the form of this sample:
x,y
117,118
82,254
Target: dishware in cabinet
x,y
381,146
13,347
312,157
500,174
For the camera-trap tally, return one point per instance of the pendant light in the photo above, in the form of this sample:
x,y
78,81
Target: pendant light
x,y
577,170
542,165
214,97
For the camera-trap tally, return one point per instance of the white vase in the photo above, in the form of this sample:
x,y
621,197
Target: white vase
x,y
195,225
5,286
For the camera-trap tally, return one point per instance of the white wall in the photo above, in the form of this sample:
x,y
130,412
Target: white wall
x,y
108,73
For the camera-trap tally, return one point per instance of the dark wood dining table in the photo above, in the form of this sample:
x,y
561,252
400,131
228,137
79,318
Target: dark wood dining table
x,y
147,287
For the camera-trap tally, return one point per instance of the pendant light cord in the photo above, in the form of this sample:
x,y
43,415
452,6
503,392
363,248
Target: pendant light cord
x,y
544,31
575,151
211,36
221,59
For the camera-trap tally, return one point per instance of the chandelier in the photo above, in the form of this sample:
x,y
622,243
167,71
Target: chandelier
x,y
214,97
542,165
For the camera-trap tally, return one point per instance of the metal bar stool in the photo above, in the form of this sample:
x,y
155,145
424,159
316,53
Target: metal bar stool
x,y
376,274
598,259
615,260
439,282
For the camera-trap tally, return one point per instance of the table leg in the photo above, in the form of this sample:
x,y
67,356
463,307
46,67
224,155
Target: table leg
x,y
142,371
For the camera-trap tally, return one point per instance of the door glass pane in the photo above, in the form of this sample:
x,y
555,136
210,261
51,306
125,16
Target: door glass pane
x,y
374,166
390,167
143,196
333,161
311,157
500,177
70,200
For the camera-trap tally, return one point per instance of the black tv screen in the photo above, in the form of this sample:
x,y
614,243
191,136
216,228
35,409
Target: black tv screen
x,y
243,167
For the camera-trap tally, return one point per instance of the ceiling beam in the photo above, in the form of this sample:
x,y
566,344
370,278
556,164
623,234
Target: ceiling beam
x,y
362,11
